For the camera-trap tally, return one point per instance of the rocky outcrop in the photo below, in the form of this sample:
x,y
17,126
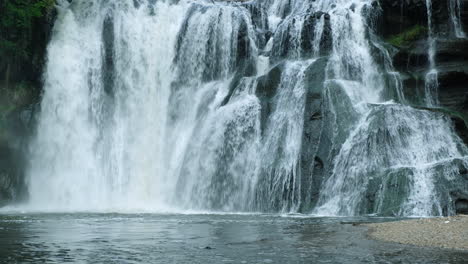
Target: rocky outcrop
x,y
286,44
20,90
398,15
451,56
16,126
411,59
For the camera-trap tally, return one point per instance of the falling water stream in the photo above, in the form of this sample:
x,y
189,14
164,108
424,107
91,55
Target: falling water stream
x,y
455,8
273,106
431,81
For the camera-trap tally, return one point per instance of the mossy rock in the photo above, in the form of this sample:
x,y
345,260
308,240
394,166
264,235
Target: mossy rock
x,y
407,37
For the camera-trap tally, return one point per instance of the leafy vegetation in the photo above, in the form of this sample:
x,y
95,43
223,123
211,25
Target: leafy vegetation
x,y
16,24
19,20
409,36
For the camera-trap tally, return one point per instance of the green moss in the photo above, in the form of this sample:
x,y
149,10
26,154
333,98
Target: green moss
x,y
409,36
16,22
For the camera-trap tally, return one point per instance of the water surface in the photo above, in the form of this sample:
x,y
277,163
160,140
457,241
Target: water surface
x,y
204,238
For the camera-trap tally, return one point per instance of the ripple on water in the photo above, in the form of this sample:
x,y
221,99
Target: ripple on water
x,y
59,238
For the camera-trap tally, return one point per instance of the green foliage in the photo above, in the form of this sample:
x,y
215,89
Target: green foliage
x,y
16,23
409,36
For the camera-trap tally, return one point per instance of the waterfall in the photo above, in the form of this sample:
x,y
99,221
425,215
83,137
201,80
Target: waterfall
x,y
272,106
100,141
455,8
431,80
388,147
281,142
385,143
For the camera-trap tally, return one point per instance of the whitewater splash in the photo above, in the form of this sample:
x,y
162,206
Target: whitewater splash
x,y
268,106
100,139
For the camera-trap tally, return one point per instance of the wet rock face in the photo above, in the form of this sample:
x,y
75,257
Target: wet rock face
x,y
18,103
451,53
286,44
313,164
16,128
400,14
451,57
451,62
266,90
462,206
9,180
19,95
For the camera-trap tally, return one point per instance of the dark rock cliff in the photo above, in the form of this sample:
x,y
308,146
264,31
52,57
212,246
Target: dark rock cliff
x,y
411,58
20,90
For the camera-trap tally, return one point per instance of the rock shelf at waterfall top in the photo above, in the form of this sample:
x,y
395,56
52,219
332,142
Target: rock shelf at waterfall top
x,y
446,232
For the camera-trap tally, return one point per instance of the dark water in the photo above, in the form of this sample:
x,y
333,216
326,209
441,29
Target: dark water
x,y
148,238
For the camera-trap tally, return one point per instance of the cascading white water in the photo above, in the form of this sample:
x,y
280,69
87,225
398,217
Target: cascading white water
x,y
90,153
386,138
389,139
204,132
138,135
281,142
455,8
191,105
218,169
